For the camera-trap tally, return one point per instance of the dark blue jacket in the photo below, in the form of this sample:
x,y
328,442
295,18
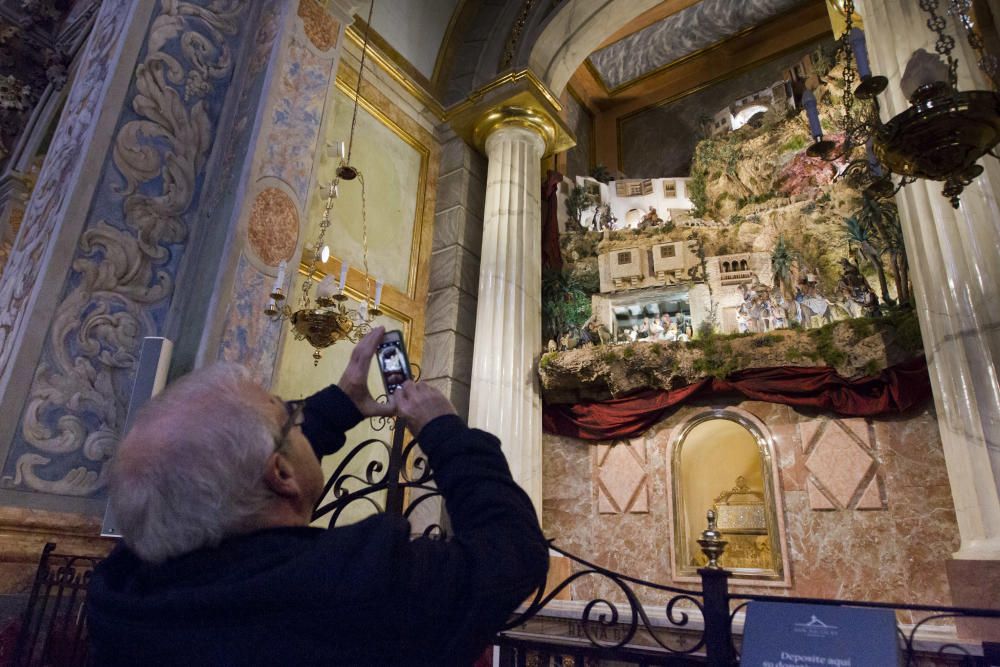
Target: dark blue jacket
x,y
364,594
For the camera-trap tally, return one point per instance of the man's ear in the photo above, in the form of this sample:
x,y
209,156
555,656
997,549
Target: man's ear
x,y
279,475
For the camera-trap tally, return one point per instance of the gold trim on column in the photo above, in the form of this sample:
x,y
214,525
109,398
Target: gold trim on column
x,y
519,99
524,78
510,116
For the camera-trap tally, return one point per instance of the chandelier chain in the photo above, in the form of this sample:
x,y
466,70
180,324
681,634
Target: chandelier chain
x,y
324,224
364,234
845,45
962,10
945,43
357,89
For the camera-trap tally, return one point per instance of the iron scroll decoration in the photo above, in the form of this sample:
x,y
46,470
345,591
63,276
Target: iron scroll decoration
x,y
603,613
608,626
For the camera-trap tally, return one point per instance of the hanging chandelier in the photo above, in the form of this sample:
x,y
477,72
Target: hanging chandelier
x,y
329,319
941,136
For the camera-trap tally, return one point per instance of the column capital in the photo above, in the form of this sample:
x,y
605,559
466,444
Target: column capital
x,y
516,99
514,117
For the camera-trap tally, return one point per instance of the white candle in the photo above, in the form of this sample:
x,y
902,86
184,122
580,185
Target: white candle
x,y
378,292
343,275
326,288
363,310
279,282
338,149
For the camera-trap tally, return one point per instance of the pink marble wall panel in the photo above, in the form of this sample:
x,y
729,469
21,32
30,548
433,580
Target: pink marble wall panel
x,y
840,455
897,553
621,477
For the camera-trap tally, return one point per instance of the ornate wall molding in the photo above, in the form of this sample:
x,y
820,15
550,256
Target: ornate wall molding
x,y
320,27
60,167
125,264
251,339
273,228
296,112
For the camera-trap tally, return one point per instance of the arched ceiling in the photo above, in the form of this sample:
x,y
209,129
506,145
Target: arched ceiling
x,y
681,46
693,29
612,53
574,30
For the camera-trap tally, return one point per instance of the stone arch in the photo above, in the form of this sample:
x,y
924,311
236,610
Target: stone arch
x,y
573,31
743,116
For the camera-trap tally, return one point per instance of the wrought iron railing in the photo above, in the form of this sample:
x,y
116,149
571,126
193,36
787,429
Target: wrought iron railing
x,y
53,626
695,627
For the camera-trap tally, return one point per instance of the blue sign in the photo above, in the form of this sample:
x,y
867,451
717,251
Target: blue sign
x,y
785,634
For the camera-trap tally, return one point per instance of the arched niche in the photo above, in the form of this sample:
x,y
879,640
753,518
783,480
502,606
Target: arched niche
x,y
723,459
633,217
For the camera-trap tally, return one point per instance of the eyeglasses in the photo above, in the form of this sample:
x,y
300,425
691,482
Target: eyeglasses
x,y
296,417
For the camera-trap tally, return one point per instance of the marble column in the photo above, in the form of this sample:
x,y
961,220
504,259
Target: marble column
x,y
505,396
956,280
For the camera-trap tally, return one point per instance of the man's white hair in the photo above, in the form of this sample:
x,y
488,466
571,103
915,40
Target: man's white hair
x,y
190,470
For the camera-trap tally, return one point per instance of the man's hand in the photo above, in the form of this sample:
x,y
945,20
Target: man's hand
x,y
354,381
418,404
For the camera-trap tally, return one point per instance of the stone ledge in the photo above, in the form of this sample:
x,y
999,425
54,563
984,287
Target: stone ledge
x,y
854,348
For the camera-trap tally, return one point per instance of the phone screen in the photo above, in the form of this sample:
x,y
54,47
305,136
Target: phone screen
x,y
392,361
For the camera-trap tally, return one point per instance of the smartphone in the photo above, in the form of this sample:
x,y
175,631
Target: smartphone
x,y
392,361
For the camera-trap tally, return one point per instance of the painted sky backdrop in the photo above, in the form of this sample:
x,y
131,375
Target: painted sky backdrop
x,y
693,29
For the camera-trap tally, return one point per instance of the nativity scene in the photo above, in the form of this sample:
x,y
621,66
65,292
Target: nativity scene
x,y
719,277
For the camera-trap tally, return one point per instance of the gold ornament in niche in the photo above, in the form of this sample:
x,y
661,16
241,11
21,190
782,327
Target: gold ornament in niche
x,y
722,463
743,524
321,28
273,230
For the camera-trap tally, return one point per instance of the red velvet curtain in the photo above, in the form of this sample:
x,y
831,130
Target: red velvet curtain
x,y
551,255
894,390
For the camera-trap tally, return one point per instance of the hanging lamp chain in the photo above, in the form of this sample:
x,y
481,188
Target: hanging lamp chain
x,y
350,147
357,89
850,125
962,10
364,234
945,43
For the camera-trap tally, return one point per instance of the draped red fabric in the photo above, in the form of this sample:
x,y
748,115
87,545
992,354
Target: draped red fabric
x,y
551,255
894,390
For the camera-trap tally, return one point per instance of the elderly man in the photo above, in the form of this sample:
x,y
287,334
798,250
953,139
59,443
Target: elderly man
x,y
214,487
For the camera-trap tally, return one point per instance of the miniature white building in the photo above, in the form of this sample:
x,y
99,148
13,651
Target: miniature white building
x,y
650,280
630,200
647,264
736,114
726,273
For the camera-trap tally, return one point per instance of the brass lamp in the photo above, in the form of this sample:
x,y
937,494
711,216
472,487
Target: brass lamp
x,y
944,132
328,320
